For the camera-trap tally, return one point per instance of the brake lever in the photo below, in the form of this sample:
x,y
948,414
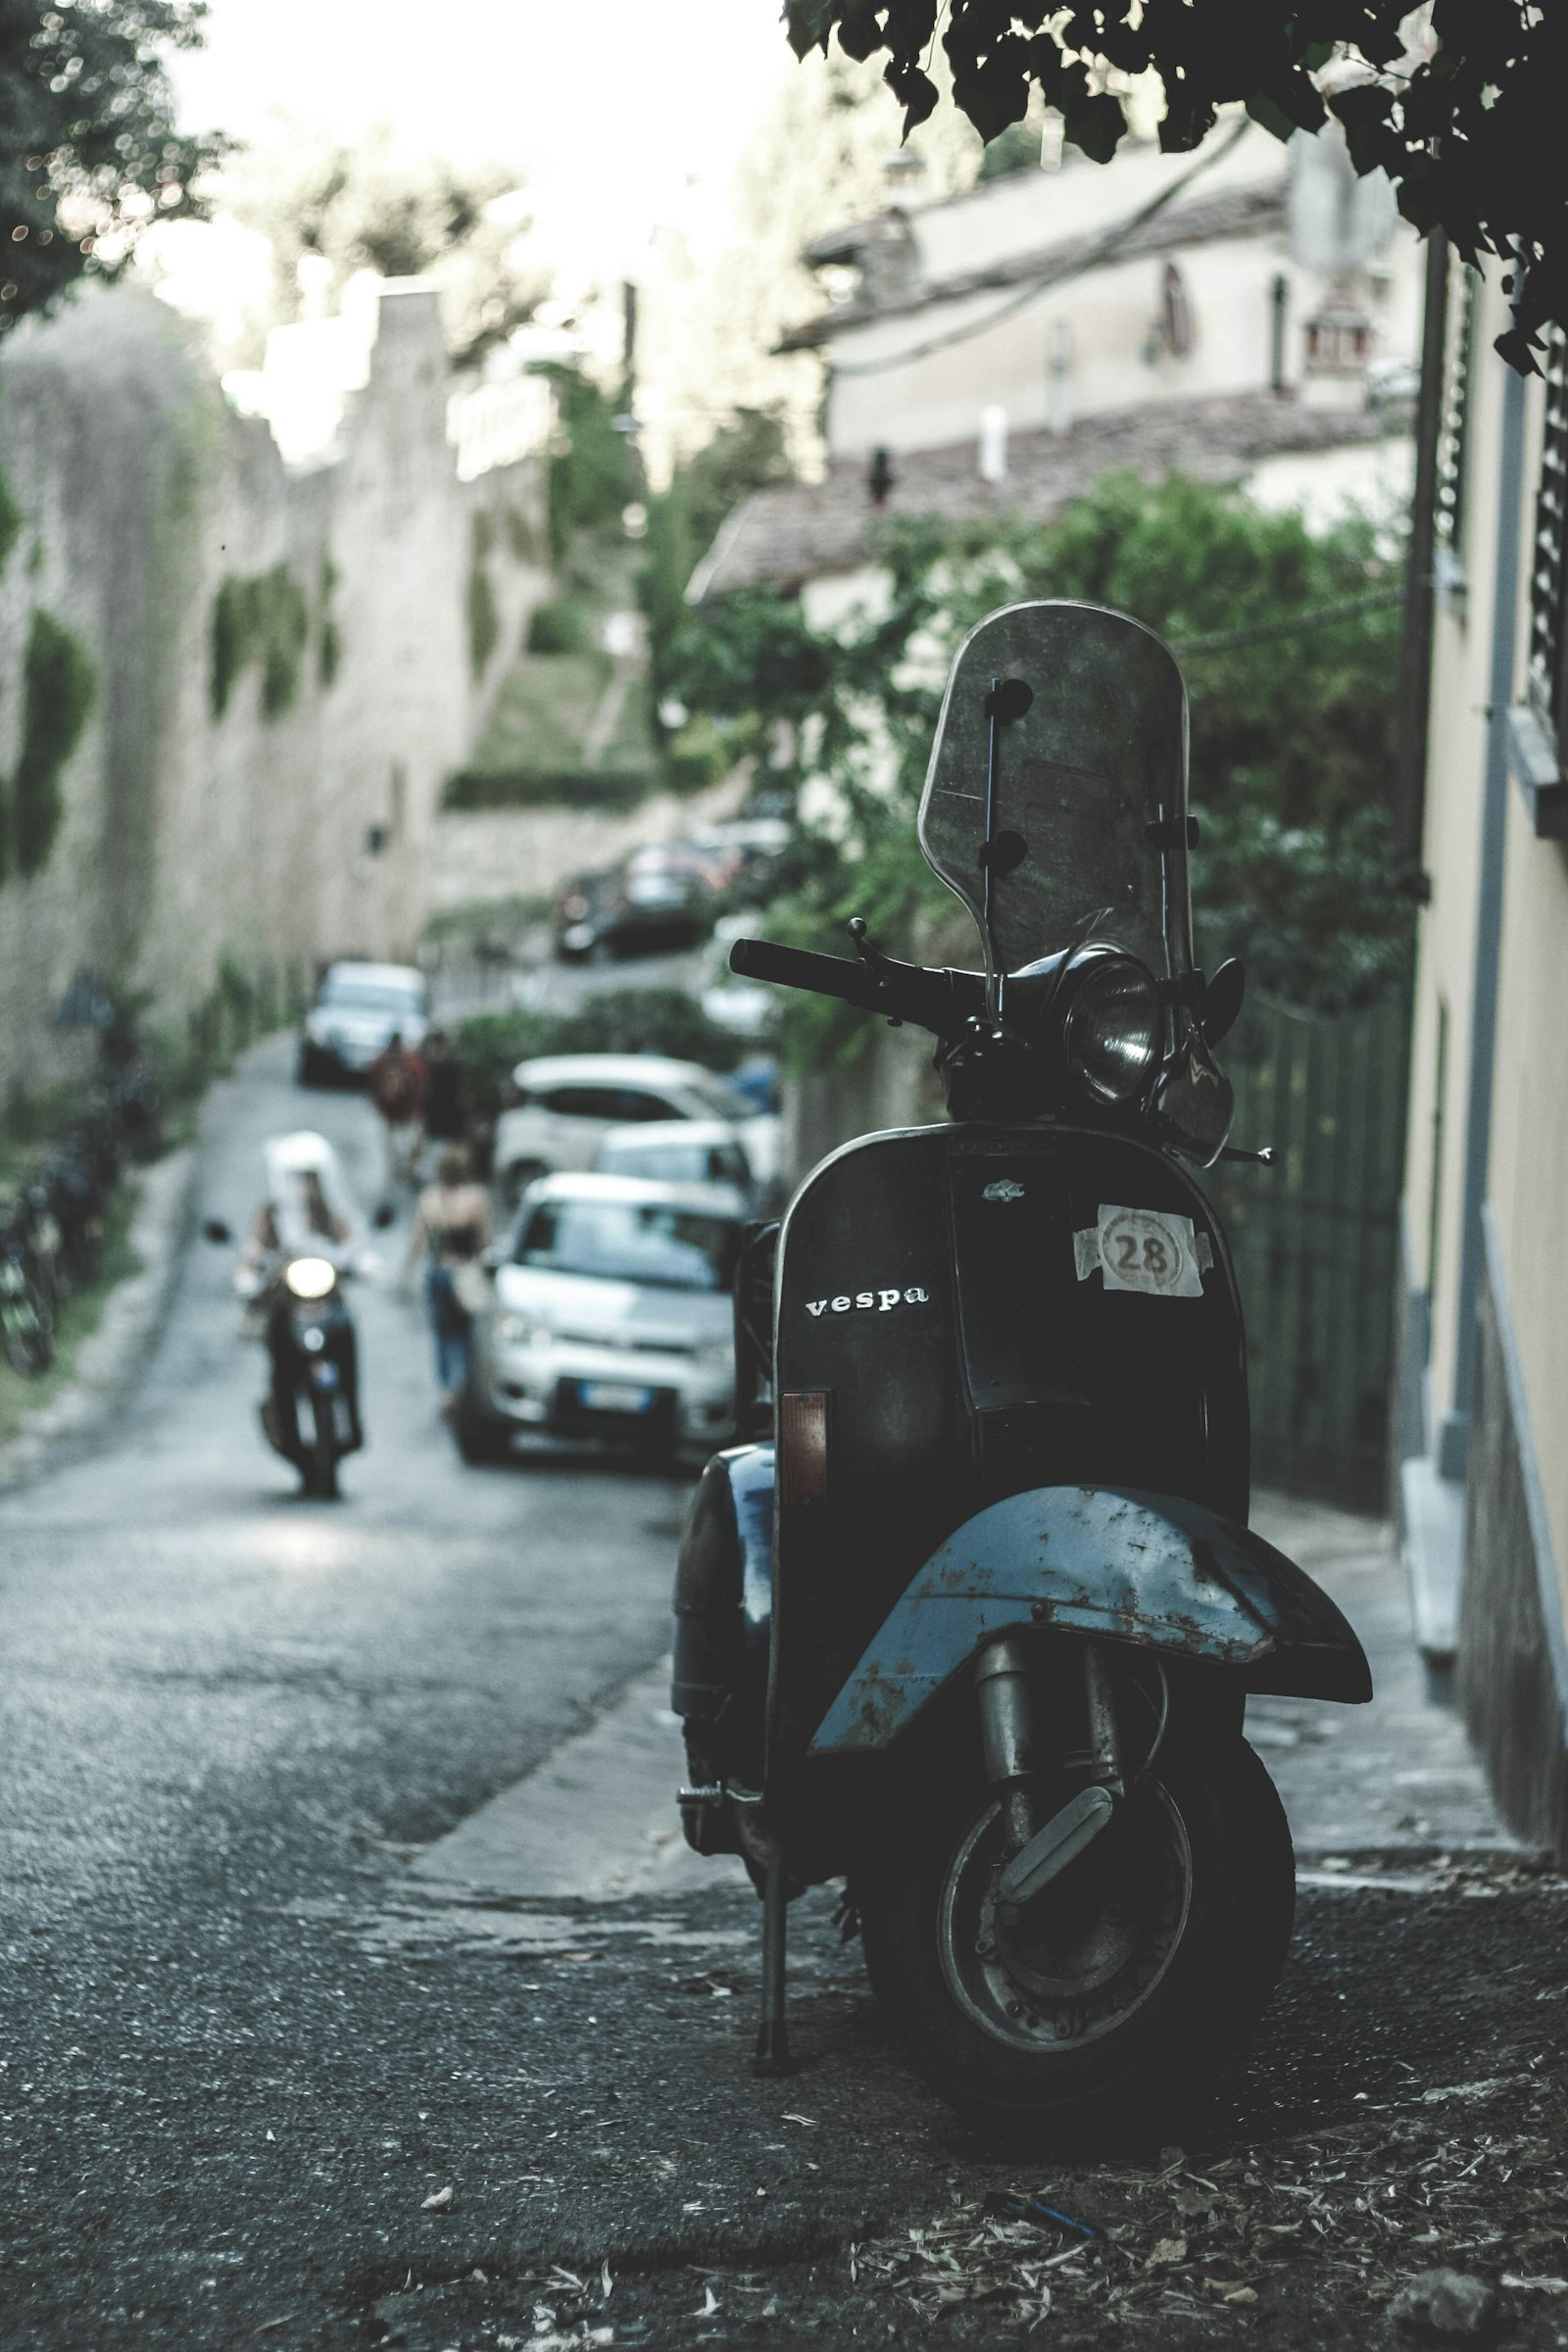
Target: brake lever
x,y
1256,1159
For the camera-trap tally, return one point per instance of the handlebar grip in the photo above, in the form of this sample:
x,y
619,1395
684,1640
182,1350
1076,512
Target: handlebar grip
x,y
802,967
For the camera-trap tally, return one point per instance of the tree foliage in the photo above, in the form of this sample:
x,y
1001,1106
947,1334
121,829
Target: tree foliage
x,y
1291,738
749,452
88,150
1465,126
384,207
590,478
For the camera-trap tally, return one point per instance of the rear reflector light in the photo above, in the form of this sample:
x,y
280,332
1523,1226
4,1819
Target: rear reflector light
x,y
803,1445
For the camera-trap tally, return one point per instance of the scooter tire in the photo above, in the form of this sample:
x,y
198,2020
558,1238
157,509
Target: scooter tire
x,y
320,1468
1156,2069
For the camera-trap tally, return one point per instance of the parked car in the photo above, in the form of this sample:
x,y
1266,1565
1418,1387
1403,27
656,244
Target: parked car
x,y
610,1319
657,897
680,1151
567,1104
359,1008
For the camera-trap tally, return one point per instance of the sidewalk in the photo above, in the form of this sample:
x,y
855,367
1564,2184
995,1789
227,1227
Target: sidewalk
x,y
1397,1776
1390,2148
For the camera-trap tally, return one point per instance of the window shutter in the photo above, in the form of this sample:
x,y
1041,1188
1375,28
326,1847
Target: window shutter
x,y
1549,642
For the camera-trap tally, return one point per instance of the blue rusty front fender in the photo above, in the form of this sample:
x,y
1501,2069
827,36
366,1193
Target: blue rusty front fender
x,y
1151,1569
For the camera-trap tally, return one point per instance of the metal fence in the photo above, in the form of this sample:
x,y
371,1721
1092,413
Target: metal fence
x,y
1314,1239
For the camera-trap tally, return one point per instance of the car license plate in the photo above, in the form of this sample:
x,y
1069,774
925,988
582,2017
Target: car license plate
x,y
611,1396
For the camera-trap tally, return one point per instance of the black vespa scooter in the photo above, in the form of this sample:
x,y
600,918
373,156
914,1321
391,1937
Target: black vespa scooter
x,y
973,1622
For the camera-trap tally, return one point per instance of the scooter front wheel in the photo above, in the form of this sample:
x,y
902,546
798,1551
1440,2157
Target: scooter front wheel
x,y
321,1465
1118,1992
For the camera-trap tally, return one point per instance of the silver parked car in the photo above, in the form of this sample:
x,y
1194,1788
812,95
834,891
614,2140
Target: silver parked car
x,y
359,1009
612,1318
567,1104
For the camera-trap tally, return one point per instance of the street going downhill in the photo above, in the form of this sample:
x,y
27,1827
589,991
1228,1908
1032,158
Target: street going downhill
x,y
285,2064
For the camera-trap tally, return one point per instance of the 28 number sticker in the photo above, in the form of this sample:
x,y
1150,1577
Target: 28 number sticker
x,y
1147,1250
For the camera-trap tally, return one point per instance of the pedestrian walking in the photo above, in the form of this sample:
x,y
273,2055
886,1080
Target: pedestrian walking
x,y
446,1119
452,1228
397,1079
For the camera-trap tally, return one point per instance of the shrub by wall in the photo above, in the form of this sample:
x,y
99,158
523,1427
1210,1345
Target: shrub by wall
x,y
58,684
525,787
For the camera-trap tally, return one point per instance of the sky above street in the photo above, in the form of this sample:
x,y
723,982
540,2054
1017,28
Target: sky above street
x,y
619,117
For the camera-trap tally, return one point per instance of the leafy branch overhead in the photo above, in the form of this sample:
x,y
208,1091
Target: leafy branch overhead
x,y
1465,122
91,154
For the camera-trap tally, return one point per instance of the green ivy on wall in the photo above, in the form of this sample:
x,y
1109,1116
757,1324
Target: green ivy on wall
x,y
9,519
57,690
265,620
329,646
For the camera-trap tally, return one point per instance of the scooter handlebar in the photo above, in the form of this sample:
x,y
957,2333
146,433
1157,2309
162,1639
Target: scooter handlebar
x,y
800,967
938,1001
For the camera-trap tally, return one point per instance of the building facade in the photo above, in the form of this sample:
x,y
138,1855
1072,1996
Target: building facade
x,y
1483,1483
1248,313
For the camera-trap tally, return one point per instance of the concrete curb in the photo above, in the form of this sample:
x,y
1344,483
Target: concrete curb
x,y
132,1315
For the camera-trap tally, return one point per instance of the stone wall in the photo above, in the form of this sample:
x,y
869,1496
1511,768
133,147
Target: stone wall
x,y
294,822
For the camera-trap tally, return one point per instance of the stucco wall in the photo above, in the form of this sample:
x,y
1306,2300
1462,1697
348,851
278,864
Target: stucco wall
x,y
192,838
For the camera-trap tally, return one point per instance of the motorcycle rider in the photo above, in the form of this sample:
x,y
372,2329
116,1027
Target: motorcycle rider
x,y
307,1211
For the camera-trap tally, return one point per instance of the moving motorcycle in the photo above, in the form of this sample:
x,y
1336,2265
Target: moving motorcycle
x,y
972,1620
302,1247
311,1414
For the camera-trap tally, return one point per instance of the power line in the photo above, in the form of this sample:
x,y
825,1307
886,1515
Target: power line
x,y
1105,248
1319,616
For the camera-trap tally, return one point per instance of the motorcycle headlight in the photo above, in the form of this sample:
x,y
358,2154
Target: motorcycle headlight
x,y
1111,1036
311,1277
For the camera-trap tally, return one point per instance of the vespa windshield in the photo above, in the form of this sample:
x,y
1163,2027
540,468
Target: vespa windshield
x,y
1097,759
1056,807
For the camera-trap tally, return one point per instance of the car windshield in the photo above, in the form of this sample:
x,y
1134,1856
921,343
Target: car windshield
x,y
632,1240
354,996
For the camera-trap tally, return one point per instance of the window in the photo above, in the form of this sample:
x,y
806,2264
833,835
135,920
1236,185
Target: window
x,y
635,1106
624,1241
584,1103
1548,640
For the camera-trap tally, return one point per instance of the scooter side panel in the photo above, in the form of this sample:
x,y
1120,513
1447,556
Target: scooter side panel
x,y
1150,1570
928,1285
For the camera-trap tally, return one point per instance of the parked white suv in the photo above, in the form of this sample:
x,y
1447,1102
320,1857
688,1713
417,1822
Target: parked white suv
x,y
568,1102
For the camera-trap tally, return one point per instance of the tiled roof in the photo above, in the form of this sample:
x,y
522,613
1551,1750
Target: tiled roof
x,y
779,538
1246,212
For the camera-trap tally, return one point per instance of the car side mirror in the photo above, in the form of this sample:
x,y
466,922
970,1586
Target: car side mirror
x,y
1222,1000
382,1215
214,1229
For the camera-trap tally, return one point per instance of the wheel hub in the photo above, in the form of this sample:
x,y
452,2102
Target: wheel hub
x,y
1089,1949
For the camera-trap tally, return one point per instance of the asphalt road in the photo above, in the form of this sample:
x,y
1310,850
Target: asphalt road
x,y
267,2083
218,1702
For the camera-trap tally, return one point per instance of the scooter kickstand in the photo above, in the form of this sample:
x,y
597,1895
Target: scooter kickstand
x,y
773,2034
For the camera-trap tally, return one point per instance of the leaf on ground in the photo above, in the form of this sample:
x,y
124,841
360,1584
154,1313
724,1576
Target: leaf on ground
x,y
437,2203
1163,2251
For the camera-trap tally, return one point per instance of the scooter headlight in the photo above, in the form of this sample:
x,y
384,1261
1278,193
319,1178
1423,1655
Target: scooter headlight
x,y
311,1277
1111,1036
